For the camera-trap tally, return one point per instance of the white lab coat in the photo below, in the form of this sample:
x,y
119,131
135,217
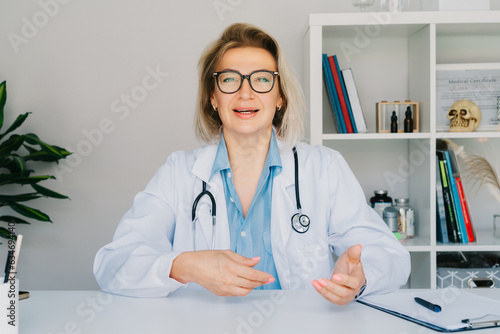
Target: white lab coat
x,y
158,227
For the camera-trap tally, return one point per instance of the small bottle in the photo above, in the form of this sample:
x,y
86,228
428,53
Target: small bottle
x,y
406,217
380,201
408,127
390,216
394,123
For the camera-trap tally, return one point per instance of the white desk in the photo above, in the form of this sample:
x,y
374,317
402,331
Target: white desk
x,y
188,311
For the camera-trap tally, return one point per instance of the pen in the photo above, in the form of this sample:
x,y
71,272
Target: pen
x,y
428,305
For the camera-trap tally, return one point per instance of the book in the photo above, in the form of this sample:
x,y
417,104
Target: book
x,y
352,94
465,208
330,85
471,235
453,231
338,89
344,93
456,199
441,225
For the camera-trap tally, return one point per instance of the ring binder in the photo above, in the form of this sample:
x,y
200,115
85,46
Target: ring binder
x,y
475,324
461,310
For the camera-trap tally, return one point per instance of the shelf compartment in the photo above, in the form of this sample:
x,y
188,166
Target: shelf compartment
x,y
467,43
367,56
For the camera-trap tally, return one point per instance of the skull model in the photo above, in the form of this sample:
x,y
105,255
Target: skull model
x,y
464,116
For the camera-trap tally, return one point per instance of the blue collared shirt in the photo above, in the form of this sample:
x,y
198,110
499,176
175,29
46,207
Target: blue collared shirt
x,y
251,236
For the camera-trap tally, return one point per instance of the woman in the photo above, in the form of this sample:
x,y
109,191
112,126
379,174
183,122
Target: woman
x,y
250,112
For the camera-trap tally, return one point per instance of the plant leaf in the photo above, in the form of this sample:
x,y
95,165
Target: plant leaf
x,y
6,234
40,156
12,219
18,198
33,139
12,178
30,212
47,192
17,123
3,99
12,144
20,163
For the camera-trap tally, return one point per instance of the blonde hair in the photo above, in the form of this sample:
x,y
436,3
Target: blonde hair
x,y
288,121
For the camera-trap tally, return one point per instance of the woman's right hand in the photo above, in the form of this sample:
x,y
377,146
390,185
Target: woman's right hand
x,y
223,272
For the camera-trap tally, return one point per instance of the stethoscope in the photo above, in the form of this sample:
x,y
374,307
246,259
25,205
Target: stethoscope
x,y
300,222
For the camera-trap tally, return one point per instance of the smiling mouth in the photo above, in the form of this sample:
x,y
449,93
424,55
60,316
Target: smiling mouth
x,y
246,111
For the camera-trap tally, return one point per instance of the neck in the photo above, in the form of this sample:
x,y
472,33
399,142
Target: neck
x,y
248,152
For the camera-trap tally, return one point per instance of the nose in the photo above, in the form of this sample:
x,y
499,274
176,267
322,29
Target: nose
x,y
246,92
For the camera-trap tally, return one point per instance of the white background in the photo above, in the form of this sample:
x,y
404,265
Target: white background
x,y
69,71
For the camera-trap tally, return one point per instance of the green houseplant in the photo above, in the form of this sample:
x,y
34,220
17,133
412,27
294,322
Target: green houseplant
x,y
16,154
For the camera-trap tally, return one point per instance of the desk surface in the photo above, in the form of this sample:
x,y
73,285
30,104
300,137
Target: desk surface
x,y
189,311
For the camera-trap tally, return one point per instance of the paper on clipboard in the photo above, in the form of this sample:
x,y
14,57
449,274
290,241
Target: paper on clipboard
x,y
457,305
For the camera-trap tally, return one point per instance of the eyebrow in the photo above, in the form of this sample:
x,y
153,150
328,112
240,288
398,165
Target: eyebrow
x,y
262,69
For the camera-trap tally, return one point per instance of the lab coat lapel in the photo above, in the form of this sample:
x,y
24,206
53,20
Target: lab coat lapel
x,y
202,169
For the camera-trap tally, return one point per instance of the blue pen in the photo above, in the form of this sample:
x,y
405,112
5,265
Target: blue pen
x,y
428,305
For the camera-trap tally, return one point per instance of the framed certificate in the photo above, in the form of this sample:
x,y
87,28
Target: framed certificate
x,y
479,83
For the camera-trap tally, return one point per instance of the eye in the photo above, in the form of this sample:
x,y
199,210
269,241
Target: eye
x,y
228,79
263,79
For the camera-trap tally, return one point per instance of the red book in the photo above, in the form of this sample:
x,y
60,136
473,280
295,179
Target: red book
x,y
465,210
338,86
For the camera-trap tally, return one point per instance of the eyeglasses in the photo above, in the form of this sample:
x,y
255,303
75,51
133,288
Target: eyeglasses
x,y
231,81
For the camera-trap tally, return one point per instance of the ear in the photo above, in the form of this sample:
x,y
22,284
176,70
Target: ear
x,y
213,101
279,104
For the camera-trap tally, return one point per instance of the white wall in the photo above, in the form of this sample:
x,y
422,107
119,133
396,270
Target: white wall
x,y
72,72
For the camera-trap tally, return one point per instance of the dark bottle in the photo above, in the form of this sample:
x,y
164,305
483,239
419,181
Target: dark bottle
x,y
394,123
380,201
408,120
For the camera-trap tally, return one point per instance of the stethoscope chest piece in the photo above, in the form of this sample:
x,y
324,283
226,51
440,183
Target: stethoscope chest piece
x,y
300,222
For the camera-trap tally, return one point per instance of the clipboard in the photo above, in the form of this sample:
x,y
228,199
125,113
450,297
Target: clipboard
x,y
461,310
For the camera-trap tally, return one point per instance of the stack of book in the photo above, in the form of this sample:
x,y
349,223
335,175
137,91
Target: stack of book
x,y
344,99
453,218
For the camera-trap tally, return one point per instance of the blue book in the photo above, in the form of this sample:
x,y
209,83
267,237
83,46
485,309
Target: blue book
x,y
456,201
346,97
441,224
333,95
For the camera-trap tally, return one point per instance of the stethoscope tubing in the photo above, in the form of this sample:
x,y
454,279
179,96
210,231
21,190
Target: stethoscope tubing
x,y
214,213
300,222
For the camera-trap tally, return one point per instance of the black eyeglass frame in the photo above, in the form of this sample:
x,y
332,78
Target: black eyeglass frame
x,y
243,77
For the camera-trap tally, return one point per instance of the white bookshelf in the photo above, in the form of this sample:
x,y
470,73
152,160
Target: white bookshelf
x,y
395,57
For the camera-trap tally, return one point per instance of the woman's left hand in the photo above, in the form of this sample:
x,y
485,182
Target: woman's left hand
x,y
347,278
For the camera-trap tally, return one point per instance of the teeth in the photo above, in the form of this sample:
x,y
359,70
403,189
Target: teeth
x,y
245,111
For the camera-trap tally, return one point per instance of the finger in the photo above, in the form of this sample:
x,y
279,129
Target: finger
x,y
244,260
354,254
255,275
250,284
353,281
332,292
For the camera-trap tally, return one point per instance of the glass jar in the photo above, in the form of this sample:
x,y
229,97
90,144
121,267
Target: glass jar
x,y
406,217
394,5
380,201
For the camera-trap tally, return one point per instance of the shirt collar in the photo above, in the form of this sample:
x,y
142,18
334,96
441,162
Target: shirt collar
x,y
221,161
